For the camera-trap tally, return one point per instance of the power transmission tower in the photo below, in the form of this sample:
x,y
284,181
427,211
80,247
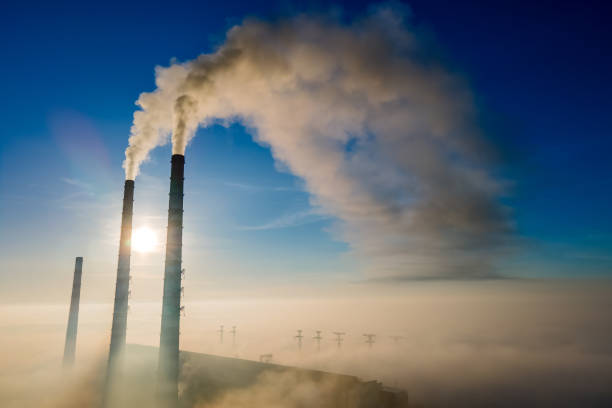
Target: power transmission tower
x,y
318,339
233,336
370,339
299,338
397,338
220,334
339,338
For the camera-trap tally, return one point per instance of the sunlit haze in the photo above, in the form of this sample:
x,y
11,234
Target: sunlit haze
x,y
345,204
144,239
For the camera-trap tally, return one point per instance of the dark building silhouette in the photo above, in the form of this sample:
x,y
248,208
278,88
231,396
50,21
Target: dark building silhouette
x,y
207,378
73,316
168,372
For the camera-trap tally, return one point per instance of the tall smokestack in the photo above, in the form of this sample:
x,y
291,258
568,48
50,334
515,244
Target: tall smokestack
x,y
73,317
171,307
122,287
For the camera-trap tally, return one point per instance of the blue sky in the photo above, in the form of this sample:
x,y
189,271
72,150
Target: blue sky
x,y
71,73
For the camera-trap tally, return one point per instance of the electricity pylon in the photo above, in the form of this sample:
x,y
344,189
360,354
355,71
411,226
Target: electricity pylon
x,y
370,339
220,334
339,338
318,339
233,336
299,338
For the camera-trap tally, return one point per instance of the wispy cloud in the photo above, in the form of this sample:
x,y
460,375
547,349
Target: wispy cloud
x,y
289,220
399,279
591,256
78,183
83,191
257,187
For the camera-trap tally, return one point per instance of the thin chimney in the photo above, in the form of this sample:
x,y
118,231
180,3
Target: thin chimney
x,y
171,306
73,317
122,288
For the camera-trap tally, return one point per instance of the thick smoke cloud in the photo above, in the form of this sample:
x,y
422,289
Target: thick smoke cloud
x,y
384,136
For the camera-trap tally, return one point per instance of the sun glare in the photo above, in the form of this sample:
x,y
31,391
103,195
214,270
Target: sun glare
x,y
144,239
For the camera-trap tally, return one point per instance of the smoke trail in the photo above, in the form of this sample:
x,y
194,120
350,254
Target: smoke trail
x,y
383,135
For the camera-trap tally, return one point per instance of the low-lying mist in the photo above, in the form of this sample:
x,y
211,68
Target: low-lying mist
x,y
490,343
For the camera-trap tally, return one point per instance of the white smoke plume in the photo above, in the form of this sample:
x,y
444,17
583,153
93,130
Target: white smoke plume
x,y
385,138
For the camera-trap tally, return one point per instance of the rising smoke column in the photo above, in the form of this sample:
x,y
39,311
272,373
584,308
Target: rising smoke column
x,y
383,135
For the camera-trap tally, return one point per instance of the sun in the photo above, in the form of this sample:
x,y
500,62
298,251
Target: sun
x,y
144,239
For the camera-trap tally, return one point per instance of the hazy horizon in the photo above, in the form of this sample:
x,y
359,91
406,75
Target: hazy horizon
x,y
430,173
457,338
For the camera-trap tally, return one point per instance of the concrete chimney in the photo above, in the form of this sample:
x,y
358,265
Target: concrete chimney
x,y
122,288
73,317
171,306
